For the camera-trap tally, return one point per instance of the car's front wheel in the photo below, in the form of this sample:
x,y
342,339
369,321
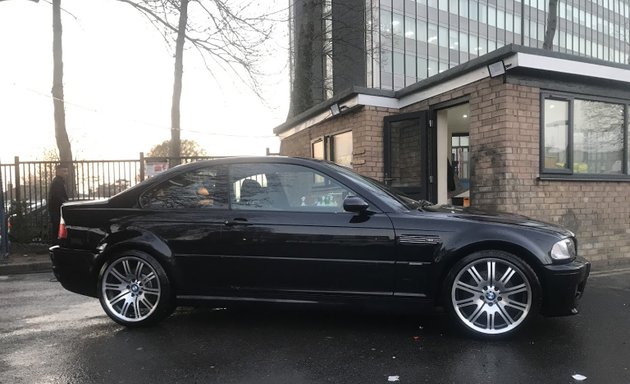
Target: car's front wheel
x,y
134,289
492,293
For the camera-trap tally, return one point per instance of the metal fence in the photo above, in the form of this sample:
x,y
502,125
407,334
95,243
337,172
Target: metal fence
x,y
24,188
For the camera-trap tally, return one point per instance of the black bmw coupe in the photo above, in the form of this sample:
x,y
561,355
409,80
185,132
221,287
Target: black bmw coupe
x,y
303,231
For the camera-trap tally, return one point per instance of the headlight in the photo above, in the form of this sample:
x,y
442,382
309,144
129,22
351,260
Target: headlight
x,y
563,250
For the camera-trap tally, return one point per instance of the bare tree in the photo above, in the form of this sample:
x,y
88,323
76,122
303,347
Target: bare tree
x,y
61,133
229,35
175,147
552,22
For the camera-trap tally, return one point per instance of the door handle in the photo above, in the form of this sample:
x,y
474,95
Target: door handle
x,y
236,221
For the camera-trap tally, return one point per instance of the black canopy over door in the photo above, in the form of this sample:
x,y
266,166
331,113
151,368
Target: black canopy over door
x,y
409,155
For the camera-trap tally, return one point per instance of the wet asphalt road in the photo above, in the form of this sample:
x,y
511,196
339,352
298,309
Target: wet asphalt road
x,y
49,335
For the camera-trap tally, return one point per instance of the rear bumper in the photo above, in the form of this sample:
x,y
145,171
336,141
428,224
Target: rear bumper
x,y
564,286
74,269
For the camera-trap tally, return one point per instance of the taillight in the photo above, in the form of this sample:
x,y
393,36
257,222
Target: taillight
x,y
63,232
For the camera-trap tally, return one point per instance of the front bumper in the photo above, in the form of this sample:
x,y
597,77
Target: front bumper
x,y
75,269
564,286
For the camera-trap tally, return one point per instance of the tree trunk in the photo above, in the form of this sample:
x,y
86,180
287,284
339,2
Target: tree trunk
x,y
61,134
176,146
552,21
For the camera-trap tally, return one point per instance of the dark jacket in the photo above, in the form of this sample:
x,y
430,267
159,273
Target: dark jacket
x,y
57,196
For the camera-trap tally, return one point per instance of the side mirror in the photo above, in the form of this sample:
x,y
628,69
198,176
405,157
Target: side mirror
x,y
355,204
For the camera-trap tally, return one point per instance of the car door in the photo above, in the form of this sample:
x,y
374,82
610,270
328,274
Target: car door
x,y
289,235
188,213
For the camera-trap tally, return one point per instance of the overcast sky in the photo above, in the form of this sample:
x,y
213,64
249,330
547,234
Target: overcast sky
x,y
118,76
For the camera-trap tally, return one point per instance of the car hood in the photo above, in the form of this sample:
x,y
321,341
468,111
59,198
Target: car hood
x,y
478,215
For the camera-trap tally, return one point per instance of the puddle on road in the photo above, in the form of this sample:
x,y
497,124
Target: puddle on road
x,y
77,316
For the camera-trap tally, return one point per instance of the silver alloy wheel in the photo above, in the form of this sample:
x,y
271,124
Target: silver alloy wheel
x,y
491,296
131,289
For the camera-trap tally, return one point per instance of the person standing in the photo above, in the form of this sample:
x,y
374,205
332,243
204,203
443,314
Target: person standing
x,y
57,196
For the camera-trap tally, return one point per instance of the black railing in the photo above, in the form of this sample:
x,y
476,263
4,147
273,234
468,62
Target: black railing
x,y
24,188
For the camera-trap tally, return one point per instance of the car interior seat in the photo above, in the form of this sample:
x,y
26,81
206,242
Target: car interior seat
x,y
249,189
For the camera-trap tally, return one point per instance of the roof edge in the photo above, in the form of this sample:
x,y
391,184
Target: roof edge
x,y
346,94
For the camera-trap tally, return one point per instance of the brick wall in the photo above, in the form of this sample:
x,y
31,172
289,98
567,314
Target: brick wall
x,y
506,145
367,138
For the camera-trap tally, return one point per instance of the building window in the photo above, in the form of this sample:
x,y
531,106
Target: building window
x,y
556,138
422,68
455,31
584,137
342,149
598,136
336,148
318,151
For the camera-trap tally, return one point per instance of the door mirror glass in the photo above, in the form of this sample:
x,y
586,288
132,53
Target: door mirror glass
x,y
355,204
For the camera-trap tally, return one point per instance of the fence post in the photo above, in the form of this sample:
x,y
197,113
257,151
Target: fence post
x,y
141,166
4,233
18,185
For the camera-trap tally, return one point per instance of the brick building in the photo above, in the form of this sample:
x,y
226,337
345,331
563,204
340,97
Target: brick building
x,y
527,131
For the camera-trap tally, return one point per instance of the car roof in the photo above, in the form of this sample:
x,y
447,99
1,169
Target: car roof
x,y
247,159
260,159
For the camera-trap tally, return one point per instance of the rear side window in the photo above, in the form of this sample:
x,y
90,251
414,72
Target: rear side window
x,y
199,189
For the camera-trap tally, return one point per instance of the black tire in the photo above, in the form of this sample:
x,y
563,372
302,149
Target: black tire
x,y
134,290
492,294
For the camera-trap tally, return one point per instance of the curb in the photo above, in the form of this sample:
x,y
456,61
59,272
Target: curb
x,y
34,264
23,268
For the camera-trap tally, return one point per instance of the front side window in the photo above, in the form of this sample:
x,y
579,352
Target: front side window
x,y
285,187
199,189
584,137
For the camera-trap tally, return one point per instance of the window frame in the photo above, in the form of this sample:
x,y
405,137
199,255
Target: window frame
x,y
324,141
329,146
568,173
329,180
332,146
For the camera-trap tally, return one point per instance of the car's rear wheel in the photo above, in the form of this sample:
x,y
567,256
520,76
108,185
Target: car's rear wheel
x,y
134,289
492,293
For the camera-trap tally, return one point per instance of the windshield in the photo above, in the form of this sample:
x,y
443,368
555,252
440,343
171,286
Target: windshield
x,y
383,190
